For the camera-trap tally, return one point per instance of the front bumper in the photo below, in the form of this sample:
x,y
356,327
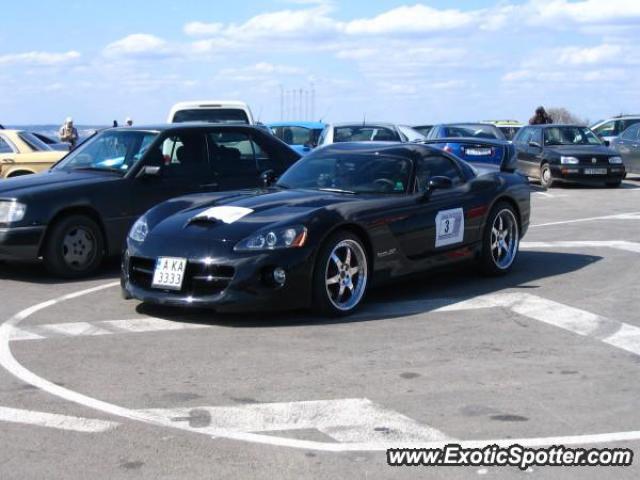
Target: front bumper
x,y
577,173
233,282
20,243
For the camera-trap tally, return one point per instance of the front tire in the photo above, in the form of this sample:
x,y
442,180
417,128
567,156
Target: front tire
x,y
500,240
341,275
546,179
74,247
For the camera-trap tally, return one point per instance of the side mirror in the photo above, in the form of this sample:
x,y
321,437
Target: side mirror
x,y
606,143
268,178
435,183
149,171
535,144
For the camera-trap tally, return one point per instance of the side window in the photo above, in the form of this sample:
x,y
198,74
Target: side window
x,y
631,133
628,122
607,129
536,136
233,153
4,146
524,137
185,155
436,166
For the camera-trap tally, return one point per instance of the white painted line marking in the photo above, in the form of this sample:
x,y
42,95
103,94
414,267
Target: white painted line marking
x,y
20,334
149,324
53,420
617,244
620,216
351,420
74,329
9,362
618,334
104,327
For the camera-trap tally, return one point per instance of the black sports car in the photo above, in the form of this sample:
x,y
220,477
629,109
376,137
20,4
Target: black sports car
x,y
341,218
81,210
567,154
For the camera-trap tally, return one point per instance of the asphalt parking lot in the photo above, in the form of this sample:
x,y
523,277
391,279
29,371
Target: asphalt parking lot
x,y
95,386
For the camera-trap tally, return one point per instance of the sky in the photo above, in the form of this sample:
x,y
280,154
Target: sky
x,y
392,60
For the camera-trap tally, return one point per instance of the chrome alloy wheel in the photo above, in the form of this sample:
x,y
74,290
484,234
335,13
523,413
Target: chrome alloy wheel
x,y
346,275
78,248
504,239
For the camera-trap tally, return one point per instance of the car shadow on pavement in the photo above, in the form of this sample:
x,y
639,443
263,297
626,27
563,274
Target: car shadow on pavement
x,y
414,295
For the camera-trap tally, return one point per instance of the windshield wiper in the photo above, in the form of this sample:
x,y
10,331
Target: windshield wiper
x,y
336,190
100,169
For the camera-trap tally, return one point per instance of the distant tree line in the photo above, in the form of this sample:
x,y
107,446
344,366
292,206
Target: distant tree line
x,y
562,115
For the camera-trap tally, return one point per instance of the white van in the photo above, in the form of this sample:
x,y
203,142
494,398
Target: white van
x,y
212,111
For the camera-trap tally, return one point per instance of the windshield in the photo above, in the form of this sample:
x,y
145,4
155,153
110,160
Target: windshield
x,y
212,115
356,133
478,130
295,135
570,136
111,150
349,173
34,142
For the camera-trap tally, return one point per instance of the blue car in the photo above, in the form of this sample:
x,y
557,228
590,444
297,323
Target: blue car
x,y
300,136
473,142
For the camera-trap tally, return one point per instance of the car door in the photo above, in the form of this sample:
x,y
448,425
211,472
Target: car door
x,y
628,145
526,154
435,223
7,154
184,167
232,155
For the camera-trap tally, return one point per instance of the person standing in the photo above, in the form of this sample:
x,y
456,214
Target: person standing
x,y
68,133
541,117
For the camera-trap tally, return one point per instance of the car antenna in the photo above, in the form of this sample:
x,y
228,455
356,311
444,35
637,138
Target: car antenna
x,y
364,118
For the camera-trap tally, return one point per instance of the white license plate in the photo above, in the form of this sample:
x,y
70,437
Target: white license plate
x,y
478,151
169,273
595,171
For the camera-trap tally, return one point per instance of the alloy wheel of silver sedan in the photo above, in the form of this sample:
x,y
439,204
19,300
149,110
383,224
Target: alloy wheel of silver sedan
x,y
346,274
504,239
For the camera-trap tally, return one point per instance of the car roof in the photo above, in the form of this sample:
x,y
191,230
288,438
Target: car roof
x,y
164,127
360,123
297,124
209,104
366,147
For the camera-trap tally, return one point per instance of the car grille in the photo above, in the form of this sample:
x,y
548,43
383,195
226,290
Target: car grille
x,y
601,160
199,278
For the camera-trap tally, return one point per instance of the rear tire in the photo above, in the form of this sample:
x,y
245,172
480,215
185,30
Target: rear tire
x,y
500,240
341,275
546,180
74,247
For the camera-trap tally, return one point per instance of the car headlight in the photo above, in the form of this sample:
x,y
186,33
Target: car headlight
x,y
11,211
615,160
284,237
139,230
569,160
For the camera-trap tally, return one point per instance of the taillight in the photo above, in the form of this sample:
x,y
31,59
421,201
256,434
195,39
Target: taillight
x,y
447,148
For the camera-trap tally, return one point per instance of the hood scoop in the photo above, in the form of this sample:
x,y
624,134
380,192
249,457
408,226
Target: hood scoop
x,y
224,214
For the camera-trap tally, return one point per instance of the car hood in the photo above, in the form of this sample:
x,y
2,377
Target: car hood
x,y
579,150
235,215
48,181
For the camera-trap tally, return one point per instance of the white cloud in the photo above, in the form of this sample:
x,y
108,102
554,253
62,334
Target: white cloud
x,y
410,19
589,55
584,12
200,29
39,58
138,45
